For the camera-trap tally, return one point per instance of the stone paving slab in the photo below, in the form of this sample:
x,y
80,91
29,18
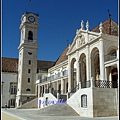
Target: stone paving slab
x,y
6,116
33,114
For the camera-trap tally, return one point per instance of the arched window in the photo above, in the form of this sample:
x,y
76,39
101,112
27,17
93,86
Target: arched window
x,y
30,35
28,89
114,53
84,101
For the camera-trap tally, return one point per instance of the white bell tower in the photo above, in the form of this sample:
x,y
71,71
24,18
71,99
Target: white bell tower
x,y
27,66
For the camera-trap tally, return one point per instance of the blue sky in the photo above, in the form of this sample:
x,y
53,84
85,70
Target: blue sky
x,y
59,20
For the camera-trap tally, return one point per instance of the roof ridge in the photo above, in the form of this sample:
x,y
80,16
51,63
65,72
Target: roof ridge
x,y
45,61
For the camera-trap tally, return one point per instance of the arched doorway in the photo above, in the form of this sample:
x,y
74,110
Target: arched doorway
x,y
95,64
73,74
83,70
114,73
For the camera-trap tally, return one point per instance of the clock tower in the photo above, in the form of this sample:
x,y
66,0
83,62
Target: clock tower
x,y
27,64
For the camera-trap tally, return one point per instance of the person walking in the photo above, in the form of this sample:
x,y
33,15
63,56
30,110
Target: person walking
x,y
5,106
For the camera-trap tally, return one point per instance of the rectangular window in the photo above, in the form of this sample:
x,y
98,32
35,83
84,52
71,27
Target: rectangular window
x,y
13,88
29,62
28,70
28,80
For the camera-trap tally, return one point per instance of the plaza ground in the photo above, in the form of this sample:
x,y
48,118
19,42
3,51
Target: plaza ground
x,y
34,114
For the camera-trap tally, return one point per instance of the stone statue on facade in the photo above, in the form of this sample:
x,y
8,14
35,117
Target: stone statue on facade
x,y
87,26
82,24
100,27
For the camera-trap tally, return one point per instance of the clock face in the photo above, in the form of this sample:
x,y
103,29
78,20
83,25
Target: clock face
x,y
31,19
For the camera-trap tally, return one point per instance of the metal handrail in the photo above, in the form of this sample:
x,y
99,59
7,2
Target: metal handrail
x,y
75,89
106,84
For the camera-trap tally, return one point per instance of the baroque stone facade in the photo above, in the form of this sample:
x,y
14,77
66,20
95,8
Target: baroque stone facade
x,y
87,71
82,75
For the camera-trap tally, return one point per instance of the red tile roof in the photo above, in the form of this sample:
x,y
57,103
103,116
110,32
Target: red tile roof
x,y
63,56
11,64
110,27
44,65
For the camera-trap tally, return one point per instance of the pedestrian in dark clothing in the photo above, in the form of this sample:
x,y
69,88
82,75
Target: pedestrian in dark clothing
x,y
5,106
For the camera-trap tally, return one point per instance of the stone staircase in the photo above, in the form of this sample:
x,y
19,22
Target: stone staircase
x,y
58,110
29,105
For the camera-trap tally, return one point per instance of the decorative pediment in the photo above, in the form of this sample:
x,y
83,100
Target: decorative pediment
x,y
83,37
92,37
78,41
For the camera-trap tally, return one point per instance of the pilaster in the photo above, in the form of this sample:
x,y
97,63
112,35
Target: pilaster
x,y
102,68
78,67
38,96
69,74
87,63
62,85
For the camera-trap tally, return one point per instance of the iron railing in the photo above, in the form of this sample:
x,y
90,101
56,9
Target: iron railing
x,y
105,84
75,89
56,76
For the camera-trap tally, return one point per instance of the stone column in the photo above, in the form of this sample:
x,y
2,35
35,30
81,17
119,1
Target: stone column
x,y
87,63
62,85
78,67
41,91
53,87
38,95
57,89
106,73
69,74
47,87
92,82
56,85
50,87
101,53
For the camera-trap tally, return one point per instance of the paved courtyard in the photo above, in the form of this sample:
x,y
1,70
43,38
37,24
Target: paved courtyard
x,y
34,114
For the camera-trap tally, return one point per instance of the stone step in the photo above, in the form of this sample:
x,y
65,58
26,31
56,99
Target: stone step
x,y
58,110
29,105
